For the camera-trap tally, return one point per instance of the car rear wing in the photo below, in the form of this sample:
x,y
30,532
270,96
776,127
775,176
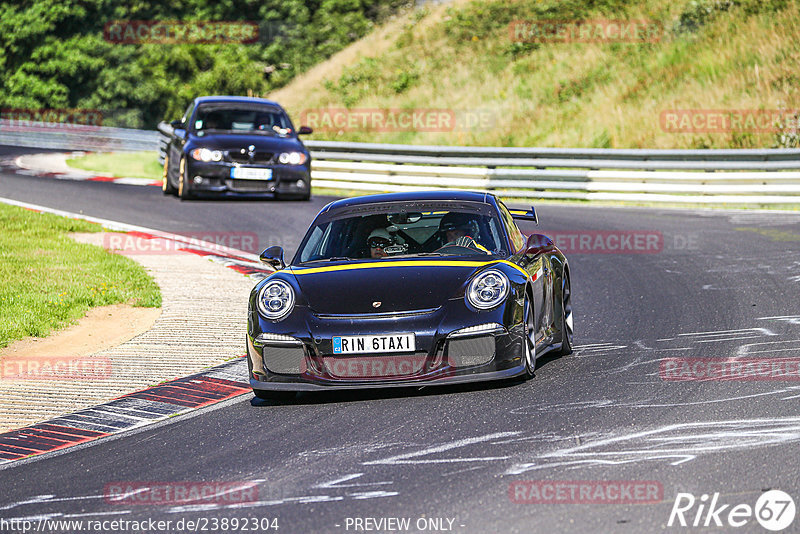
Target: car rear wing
x,y
523,215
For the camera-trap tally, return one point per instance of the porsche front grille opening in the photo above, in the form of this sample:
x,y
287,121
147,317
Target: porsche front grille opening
x,y
284,360
469,352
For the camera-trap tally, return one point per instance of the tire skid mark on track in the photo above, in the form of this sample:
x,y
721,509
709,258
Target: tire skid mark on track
x,y
675,443
130,411
672,443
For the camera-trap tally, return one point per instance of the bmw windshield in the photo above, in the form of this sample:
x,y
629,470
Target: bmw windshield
x,y
241,119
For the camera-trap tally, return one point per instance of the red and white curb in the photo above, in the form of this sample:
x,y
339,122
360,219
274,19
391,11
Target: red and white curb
x,y
150,405
145,407
16,166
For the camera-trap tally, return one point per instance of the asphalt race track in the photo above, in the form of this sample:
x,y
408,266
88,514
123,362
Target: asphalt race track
x,y
714,285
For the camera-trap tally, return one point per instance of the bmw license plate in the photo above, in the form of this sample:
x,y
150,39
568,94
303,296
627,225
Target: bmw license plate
x,y
379,343
249,173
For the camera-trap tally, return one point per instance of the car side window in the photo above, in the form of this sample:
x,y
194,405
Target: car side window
x,y
316,242
517,239
187,114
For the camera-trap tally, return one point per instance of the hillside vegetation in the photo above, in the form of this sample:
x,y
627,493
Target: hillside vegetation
x,y
711,55
55,55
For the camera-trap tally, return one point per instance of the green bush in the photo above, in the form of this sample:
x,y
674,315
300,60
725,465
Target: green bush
x,y
53,55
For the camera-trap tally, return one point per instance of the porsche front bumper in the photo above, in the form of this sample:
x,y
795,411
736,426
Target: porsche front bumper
x,y
476,347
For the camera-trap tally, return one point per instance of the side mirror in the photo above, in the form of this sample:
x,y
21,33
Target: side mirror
x,y
305,130
177,123
273,256
537,244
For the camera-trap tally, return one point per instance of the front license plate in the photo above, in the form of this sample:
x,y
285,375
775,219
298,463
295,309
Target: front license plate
x,y
379,343
249,173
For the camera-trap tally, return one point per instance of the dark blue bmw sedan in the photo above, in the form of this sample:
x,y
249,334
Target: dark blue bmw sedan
x,y
232,146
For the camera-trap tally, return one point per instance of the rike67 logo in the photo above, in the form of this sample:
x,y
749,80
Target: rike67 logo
x,y
774,510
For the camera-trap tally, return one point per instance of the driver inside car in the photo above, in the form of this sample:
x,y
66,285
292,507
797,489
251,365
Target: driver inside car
x,y
460,230
379,240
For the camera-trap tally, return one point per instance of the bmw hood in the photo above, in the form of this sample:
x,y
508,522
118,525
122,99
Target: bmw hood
x,y
355,288
272,143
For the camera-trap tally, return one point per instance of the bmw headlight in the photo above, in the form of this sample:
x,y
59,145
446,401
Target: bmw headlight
x,y
488,289
206,155
275,300
292,158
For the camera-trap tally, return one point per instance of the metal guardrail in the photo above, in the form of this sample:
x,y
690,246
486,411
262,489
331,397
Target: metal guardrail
x,y
682,176
76,137
761,176
752,176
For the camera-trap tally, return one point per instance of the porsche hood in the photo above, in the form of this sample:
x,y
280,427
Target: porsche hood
x,y
383,286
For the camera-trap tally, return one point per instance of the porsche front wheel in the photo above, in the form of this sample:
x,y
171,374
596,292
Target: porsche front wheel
x,y
528,343
566,317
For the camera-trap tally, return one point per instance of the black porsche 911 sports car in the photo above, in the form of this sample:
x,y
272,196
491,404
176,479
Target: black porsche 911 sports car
x,y
233,146
405,289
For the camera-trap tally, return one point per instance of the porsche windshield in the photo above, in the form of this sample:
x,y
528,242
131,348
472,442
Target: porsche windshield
x,y
404,234
249,120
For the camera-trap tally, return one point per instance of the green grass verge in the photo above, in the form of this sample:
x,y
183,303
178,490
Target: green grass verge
x,y
122,164
49,280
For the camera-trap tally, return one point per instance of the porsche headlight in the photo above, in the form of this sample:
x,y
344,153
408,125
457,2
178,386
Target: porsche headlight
x,y
488,289
292,158
275,300
206,155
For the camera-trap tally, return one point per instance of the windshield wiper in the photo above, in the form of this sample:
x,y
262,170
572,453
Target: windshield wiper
x,y
412,254
334,258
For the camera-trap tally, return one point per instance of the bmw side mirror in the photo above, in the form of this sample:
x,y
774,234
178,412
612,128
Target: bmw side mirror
x,y
537,244
177,123
273,256
305,130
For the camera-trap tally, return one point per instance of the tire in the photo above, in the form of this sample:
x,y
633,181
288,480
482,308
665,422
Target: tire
x,y
166,187
264,394
528,334
183,181
566,316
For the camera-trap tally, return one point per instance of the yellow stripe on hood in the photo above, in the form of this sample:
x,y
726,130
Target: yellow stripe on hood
x,y
402,263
